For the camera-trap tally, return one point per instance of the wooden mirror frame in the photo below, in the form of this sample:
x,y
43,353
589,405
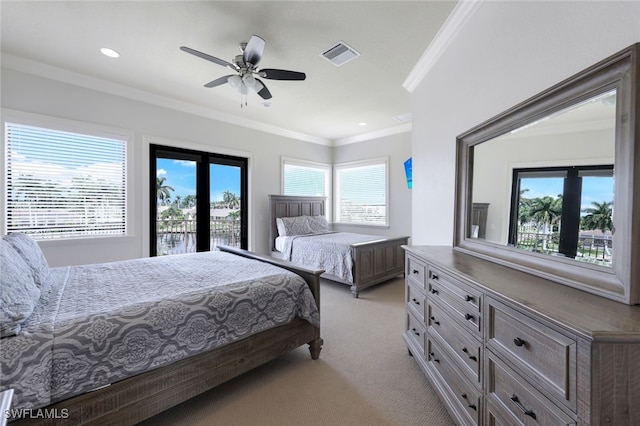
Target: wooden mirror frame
x,y
621,281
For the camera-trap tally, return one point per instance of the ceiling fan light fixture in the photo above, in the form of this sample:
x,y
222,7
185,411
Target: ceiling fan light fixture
x,y
235,81
249,81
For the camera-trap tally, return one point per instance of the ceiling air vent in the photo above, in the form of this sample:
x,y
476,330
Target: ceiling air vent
x,y
340,54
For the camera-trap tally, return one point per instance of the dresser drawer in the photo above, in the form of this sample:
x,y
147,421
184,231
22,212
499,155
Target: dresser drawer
x,y
466,348
453,290
506,389
497,415
454,295
416,300
417,271
467,397
416,332
544,354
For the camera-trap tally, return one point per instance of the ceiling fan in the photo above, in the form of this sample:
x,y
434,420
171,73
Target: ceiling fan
x,y
246,67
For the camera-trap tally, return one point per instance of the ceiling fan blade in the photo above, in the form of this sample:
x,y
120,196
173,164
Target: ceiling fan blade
x,y
209,57
253,51
218,81
264,92
274,74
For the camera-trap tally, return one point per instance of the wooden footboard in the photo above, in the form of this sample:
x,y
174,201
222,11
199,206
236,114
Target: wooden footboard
x,y
374,261
132,400
377,261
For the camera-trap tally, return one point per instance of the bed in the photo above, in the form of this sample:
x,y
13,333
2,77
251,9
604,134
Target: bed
x,y
357,260
147,334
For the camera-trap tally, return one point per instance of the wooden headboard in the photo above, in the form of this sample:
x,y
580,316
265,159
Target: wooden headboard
x,y
289,206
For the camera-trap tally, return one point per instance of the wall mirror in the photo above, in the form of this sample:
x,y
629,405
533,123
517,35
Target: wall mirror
x,y
547,187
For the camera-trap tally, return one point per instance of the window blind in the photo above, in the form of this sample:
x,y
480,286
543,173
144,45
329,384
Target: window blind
x,y
361,193
64,185
305,180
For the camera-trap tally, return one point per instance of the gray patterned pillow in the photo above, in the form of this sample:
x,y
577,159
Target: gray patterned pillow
x,y
318,224
298,225
30,251
18,291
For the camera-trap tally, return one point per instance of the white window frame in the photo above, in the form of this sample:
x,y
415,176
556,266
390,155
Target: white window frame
x,y
326,168
71,126
336,190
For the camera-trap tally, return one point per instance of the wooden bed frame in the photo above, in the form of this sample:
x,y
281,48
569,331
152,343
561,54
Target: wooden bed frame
x,y
137,398
373,262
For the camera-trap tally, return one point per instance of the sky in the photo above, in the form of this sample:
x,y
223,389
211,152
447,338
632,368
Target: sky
x,y
181,175
598,189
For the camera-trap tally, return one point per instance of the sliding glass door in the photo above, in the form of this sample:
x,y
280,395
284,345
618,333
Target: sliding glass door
x,y
198,201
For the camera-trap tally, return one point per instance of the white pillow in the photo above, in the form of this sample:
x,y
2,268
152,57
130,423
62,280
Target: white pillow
x,y
30,251
19,293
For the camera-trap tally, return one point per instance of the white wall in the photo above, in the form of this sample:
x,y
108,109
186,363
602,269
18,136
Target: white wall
x,y
149,123
398,149
507,52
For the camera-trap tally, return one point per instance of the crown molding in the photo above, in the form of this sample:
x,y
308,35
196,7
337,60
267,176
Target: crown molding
x,y
29,66
402,128
445,35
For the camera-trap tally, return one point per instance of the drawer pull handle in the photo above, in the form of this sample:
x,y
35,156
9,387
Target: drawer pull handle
x,y
434,320
434,291
415,301
471,357
468,298
415,332
433,356
434,276
518,341
415,271
469,317
472,406
526,412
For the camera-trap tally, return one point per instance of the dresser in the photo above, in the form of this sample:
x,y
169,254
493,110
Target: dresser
x,y
502,347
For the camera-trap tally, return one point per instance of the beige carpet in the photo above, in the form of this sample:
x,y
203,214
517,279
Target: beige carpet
x,y
364,376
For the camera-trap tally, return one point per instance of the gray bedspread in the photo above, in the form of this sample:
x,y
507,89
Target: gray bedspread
x,y
97,324
327,250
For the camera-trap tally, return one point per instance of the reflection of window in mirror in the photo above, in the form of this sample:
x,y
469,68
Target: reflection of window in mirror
x,y
563,211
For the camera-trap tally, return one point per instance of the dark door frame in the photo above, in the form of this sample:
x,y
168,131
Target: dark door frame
x,y
203,161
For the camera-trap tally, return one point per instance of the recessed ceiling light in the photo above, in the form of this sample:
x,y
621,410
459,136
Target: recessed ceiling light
x,y
362,123
109,52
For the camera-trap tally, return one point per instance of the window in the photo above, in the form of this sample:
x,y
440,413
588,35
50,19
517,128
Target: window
x,y
61,184
361,192
564,211
305,178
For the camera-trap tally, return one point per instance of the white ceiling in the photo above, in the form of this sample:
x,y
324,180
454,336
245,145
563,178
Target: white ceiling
x,y
62,39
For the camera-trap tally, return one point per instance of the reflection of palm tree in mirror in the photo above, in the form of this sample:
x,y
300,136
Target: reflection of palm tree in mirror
x,y
546,211
600,216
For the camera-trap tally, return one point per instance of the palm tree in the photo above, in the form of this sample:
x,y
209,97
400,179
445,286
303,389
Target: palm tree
x,y
230,199
546,211
163,192
524,208
600,216
189,201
